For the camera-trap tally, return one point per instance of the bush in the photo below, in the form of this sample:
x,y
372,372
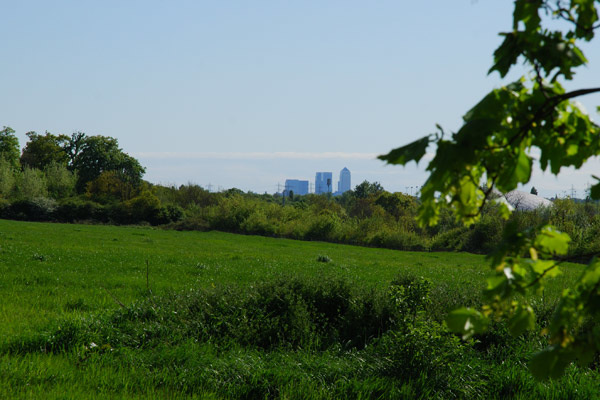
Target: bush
x,y
168,214
258,223
36,209
74,209
322,227
7,178
484,236
60,181
31,183
230,213
288,313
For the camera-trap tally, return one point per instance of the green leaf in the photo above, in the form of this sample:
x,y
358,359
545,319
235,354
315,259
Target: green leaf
x,y
411,152
466,322
518,170
548,363
507,54
496,286
527,11
591,276
552,242
586,17
522,320
547,267
523,168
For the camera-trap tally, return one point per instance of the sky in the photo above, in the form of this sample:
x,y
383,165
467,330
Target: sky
x,y
247,94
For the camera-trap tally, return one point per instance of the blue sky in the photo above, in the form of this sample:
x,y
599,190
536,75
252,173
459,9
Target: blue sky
x,y
247,94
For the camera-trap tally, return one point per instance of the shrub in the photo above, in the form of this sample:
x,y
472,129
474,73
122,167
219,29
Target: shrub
x,y
322,227
323,259
60,181
168,214
230,213
484,236
410,295
258,223
36,209
31,183
7,178
144,207
74,209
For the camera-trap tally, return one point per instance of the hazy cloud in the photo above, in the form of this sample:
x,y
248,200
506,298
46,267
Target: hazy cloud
x,y
286,155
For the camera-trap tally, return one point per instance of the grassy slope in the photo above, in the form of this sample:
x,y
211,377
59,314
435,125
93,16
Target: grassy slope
x,y
51,271
47,270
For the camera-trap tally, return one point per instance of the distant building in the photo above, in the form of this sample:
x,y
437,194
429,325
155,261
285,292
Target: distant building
x,y
323,182
344,182
296,186
522,201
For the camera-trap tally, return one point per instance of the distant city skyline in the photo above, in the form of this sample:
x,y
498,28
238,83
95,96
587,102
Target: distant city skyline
x,y
246,94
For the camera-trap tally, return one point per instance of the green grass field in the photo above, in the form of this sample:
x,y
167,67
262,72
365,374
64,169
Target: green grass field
x,y
61,286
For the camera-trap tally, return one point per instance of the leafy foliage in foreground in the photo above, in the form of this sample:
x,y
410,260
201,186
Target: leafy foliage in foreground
x,y
492,150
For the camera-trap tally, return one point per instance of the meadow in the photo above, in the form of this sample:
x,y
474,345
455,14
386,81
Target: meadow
x,y
93,311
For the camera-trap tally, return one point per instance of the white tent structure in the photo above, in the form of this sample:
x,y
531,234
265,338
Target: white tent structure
x,y
524,201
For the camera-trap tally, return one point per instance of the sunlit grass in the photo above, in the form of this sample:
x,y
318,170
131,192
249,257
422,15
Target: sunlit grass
x,y
54,272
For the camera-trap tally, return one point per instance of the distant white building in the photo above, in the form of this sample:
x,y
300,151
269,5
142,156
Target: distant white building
x,y
522,201
296,186
344,183
323,182
526,201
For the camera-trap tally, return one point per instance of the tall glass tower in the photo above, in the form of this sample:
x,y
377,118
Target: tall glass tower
x,y
323,182
344,182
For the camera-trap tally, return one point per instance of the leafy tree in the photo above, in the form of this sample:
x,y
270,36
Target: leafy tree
x,y
396,204
143,207
60,181
31,184
492,151
366,189
192,194
534,191
92,155
74,146
109,187
9,146
7,178
43,150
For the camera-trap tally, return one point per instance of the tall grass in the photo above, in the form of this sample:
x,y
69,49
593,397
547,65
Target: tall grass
x,y
232,316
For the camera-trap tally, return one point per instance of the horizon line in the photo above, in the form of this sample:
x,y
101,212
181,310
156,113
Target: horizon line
x,y
257,155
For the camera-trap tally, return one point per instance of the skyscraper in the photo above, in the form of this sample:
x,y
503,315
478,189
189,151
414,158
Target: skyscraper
x,y
344,183
296,186
323,182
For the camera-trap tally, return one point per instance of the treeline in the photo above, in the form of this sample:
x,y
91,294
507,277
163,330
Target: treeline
x,y
75,178
371,216
89,178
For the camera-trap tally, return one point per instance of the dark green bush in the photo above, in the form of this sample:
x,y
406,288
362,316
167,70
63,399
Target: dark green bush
x,y
75,209
484,236
169,214
36,209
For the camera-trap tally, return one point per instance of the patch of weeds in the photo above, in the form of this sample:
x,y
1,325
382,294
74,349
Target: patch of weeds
x,y
76,304
39,257
323,259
